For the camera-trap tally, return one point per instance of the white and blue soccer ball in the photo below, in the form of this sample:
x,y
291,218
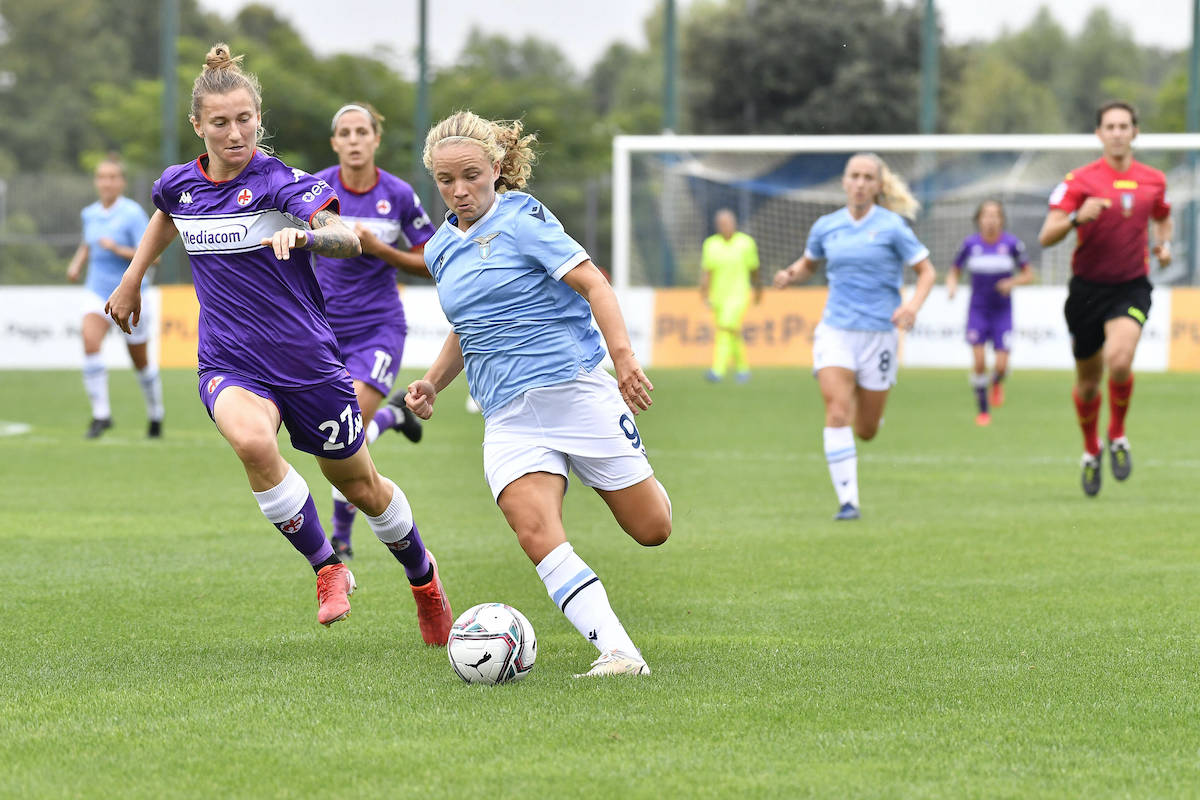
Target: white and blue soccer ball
x,y
492,643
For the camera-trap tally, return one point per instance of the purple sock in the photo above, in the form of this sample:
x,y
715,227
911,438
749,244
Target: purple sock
x,y
981,396
385,418
306,535
410,552
343,520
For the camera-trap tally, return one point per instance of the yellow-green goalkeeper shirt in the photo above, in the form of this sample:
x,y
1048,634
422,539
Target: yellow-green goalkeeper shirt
x,y
729,262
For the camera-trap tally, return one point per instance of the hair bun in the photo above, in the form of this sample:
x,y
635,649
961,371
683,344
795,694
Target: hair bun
x,y
219,58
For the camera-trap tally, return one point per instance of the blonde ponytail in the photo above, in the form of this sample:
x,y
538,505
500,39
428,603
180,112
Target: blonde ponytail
x,y
894,193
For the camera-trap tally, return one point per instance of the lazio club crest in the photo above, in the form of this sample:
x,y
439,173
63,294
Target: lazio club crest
x,y
485,244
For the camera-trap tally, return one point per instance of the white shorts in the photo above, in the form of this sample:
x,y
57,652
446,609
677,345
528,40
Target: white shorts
x,y
94,304
870,355
582,425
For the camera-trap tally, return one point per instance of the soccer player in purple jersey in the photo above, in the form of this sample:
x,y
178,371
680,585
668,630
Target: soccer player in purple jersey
x,y
997,262
267,355
361,300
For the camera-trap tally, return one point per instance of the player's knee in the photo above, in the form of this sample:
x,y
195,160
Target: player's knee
x,y
365,491
658,533
1120,364
1087,388
837,416
866,430
535,536
255,448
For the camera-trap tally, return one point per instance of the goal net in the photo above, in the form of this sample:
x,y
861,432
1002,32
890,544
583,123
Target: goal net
x,y
666,190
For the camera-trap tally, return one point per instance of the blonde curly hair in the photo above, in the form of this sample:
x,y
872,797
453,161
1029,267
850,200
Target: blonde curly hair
x,y
501,141
894,193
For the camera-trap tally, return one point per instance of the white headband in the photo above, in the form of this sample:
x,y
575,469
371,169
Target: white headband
x,y
351,107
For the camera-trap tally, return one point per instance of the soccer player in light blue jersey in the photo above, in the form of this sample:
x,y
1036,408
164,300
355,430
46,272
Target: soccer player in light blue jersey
x,y
866,247
112,227
520,295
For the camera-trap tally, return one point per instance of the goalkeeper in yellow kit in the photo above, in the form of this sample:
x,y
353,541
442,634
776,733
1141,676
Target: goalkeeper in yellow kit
x,y
729,271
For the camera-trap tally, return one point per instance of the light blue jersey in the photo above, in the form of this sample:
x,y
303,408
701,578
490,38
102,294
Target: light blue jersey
x,y
500,287
124,222
865,261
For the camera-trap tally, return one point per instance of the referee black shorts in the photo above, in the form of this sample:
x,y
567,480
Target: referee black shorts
x,y
1089,305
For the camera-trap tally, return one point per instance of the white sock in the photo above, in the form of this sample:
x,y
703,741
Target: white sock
x,y
152,389
95,382
842,458
578,593
396,520
979,380
372,431
284,501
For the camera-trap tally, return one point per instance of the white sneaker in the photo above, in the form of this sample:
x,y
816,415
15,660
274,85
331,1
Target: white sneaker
x,y
616,662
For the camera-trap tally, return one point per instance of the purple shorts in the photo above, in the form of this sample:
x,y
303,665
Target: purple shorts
x,y
373,356
323,420
995,326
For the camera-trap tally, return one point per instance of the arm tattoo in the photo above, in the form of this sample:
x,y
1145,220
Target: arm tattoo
x,y
330,236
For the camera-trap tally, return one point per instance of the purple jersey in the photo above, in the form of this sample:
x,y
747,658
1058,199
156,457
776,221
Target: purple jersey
x,y
259,317
989,264
360,293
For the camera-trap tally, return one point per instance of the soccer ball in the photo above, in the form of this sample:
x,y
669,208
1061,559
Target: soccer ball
x,y
491,643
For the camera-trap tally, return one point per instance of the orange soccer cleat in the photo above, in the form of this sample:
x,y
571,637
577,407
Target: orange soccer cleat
x,y
433,609
983,419
997,398
335,584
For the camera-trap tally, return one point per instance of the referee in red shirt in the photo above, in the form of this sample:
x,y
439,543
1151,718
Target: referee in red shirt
x,y
1110,203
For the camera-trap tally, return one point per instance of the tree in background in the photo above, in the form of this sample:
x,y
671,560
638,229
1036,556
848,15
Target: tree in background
x,y
85,81
802,66
1039,79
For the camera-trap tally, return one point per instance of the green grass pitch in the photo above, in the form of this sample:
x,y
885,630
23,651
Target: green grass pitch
x,y
983,631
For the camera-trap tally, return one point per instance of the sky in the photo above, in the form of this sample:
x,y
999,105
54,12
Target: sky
x,y
585,29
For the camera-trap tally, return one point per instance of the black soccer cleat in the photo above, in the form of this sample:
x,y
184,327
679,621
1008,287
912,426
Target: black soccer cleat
x,y
406,421
341,548
1091,474
848,511
1119,458
155,429
98,427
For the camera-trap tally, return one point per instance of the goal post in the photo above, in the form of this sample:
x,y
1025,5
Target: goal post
x,y
666,189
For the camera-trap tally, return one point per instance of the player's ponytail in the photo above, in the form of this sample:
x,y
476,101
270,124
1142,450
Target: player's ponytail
x,y
894,193
501,141
517,165
222,74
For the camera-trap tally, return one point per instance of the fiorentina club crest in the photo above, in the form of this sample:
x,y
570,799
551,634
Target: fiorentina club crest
x,y
244,197
213,383
383,207
292,525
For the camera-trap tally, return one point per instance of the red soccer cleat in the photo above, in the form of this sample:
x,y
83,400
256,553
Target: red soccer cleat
x,y
335,584
997,398
983,419
433,609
